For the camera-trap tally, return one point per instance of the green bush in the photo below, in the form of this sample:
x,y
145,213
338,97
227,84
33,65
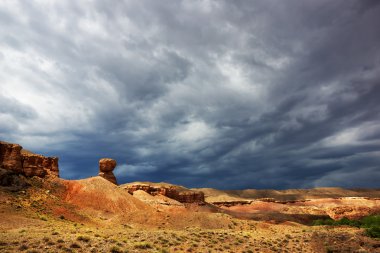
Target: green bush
x,y
373,232
324,222
370,223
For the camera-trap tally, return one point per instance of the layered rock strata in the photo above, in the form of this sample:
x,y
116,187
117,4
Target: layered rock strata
x,y
14,158
184,196
10,157
106,167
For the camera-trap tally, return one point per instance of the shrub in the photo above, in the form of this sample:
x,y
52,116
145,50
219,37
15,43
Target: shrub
x,y
142,245
115,249
370,223
75,245
373,231
83,238
23,247
43,218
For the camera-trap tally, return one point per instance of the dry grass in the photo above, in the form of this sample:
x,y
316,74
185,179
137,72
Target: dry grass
x,y
61,236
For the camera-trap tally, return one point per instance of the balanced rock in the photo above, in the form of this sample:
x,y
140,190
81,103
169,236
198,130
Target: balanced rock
x,y
106,166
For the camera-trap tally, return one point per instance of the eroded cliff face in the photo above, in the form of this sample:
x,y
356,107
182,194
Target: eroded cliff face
x,y
10,157
14,158
172,192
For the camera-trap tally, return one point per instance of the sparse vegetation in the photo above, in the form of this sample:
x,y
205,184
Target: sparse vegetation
x,y
115,249
75,245
83,238
142,245
371,224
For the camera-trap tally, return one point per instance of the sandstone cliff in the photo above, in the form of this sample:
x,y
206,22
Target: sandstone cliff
x,y
14,159
178,193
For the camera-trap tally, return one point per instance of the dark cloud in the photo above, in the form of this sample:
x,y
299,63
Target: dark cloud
x,y
228,94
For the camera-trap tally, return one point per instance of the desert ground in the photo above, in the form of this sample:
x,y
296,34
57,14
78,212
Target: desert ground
x,y
94,215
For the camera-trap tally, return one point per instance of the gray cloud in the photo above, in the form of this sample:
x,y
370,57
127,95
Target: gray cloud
x,y
242,94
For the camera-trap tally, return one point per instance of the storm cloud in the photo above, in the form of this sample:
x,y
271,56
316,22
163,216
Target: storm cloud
x,y
225,94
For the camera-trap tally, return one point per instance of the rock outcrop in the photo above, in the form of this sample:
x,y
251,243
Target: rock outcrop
x,y
38,165
14,158
190,197
173,192
351,212
10,157
106,167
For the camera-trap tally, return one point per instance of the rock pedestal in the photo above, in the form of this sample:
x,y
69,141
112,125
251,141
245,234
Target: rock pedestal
x,y
106,166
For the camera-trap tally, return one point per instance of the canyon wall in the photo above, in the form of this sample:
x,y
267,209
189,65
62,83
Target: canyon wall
x,y
172,192
14,158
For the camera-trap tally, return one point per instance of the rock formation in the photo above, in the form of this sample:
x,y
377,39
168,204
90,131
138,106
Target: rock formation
x,y
190,197
10,157
106,166
351,212
173,192
14,158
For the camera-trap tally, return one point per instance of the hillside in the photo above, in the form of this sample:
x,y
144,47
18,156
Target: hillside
x,y
213,195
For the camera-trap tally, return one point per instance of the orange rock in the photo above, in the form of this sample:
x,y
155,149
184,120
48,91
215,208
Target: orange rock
x,y
106,166
191,197
10,157
170,192
14,158
350,212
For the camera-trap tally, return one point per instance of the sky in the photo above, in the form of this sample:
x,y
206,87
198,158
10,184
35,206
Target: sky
x,y
226,94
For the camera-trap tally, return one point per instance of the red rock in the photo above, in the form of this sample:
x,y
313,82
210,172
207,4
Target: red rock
x,y
32,166
14,158
350,212
106,166
10,157
191,197
170,192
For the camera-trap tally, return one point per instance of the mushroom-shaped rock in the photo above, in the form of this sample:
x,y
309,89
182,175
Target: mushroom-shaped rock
x,y
106,166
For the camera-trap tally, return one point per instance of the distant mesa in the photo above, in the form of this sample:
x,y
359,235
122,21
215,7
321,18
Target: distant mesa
x,y
106,167
14,158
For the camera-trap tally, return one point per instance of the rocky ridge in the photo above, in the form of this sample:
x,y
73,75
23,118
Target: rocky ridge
x,y
178,193
14,159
